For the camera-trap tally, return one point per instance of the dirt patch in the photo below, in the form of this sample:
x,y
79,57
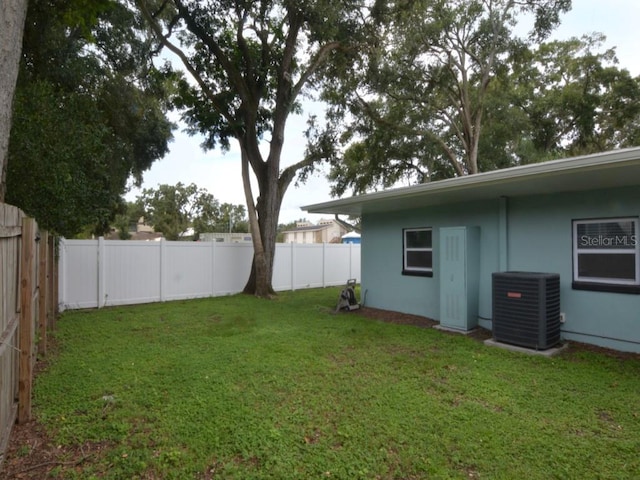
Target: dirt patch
x,y
32,454
415,320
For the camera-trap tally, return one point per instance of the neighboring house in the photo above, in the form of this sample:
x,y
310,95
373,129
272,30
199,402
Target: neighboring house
x,y
141,226
226,237
137,231
326,231
147,236
431,249
145,232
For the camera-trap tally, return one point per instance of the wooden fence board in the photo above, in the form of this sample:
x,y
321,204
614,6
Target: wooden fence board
x,y
27,306
43,249
26,320
10,231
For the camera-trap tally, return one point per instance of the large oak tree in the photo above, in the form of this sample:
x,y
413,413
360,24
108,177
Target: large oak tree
x,y
249,64
418,112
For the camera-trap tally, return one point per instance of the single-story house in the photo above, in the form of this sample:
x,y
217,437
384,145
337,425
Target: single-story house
x,y
326,231
432,249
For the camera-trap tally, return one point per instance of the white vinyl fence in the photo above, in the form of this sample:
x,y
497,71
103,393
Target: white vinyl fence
x,y
98,273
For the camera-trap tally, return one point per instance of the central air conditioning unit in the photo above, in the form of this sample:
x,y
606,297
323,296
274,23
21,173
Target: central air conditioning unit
x,y
526,309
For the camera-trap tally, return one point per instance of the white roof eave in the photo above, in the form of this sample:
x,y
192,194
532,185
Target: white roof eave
x,y
609,169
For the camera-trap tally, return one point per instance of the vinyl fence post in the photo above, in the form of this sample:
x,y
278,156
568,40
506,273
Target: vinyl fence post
x,y
293,266
163,268
324,264
213,267
350,260
102,267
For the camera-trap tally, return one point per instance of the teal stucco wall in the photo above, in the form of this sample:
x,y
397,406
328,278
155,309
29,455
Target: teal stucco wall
x,y
540,239
381,256
538,232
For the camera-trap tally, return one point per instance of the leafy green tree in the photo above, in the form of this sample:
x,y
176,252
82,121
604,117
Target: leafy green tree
x,y
56,174
575,99
121,223
173,209
226,218
250,63
89,113
419,104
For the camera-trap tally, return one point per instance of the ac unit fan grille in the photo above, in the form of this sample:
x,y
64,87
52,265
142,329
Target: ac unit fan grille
x,y
526,309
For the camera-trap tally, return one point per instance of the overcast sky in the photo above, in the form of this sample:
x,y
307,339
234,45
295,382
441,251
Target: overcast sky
x,y
220,173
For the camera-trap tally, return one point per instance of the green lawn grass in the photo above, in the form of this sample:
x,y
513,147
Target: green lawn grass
x,y
237,387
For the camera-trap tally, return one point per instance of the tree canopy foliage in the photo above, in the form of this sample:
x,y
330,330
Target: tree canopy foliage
x,y
450,88
174,209
250,63
89,113
574,98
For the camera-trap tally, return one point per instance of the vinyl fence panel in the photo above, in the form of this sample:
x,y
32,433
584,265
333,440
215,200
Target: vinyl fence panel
x,y
98,273
231,267
309,266
345,261
130,272
283,267
79,273
187,270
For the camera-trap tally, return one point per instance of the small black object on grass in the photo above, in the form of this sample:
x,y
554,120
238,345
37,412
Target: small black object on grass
x,y
347,301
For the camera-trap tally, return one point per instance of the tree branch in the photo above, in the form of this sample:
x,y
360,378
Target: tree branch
x,y
235,77
315,63
157,30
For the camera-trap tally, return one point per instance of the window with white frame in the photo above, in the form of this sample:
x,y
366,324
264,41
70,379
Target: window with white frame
x,y
417,252
606,254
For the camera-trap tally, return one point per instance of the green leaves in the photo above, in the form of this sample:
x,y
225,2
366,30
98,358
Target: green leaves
x,y
173,209
449,89
90,113
59,175
576,100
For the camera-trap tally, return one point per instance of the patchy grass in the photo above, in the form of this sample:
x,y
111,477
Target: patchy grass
x,y
240,388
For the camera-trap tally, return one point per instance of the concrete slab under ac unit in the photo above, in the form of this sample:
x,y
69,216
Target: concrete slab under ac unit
x,y
549,352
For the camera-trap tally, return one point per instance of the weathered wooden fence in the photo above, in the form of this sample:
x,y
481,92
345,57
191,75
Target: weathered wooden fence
x,y
98,273
28,302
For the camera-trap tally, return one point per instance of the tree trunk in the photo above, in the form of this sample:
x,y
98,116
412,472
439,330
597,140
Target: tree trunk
x,y
263,221
273,186
12,17
267,212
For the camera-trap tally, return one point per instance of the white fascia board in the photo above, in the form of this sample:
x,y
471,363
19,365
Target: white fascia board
x,y
560,167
